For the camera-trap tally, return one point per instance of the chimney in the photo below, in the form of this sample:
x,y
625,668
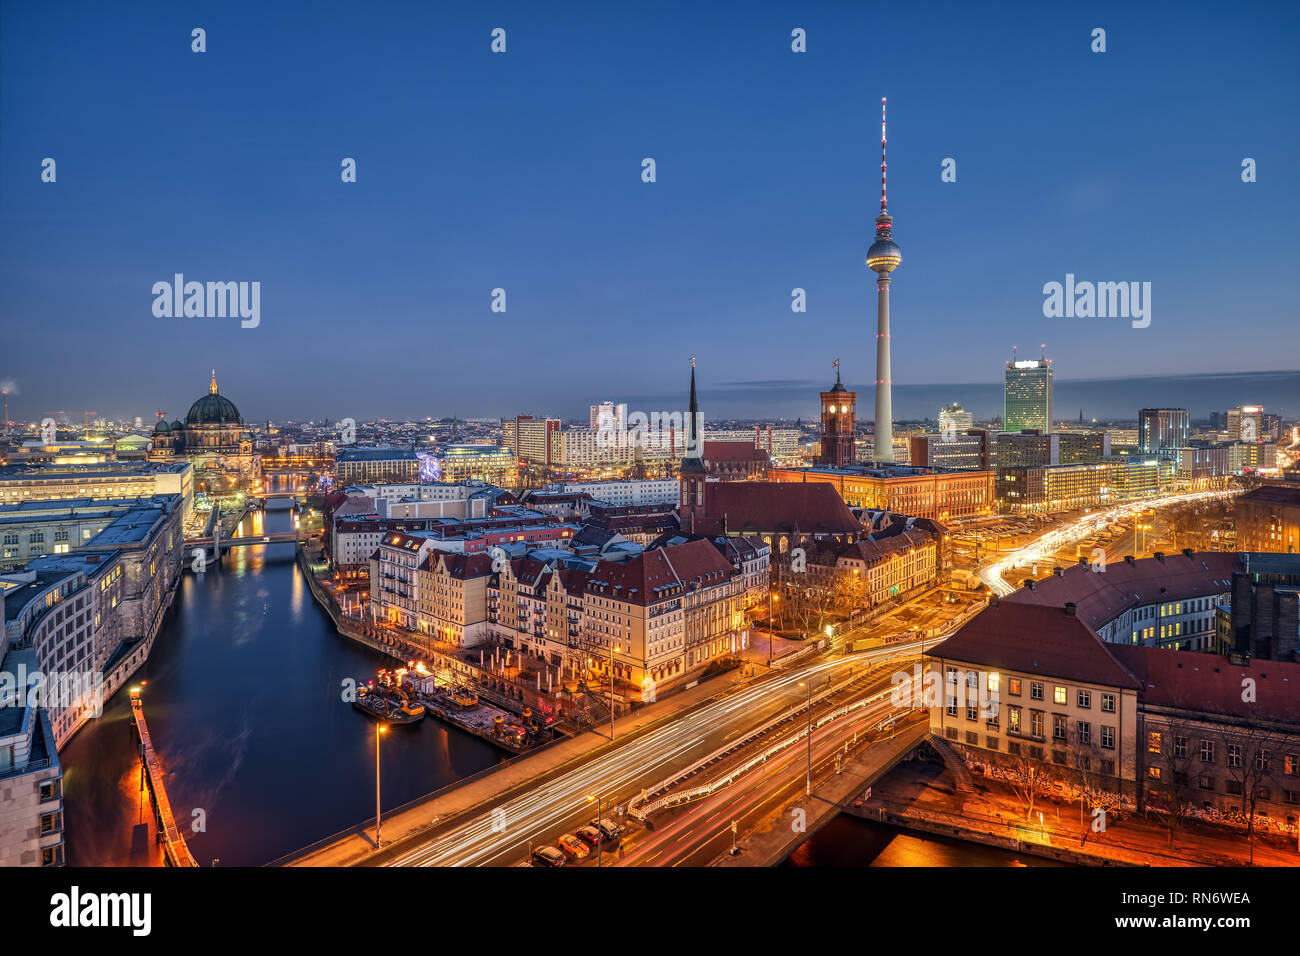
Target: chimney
x,y
1070,608
1128,559
1159,556
1029,583
1058,571
1188,552
1083,562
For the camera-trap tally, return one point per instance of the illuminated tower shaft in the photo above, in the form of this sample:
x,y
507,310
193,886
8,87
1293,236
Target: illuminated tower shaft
x,y
883,258
884,378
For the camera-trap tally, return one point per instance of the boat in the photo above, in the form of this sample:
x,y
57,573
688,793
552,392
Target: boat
x,y
388,707
463,698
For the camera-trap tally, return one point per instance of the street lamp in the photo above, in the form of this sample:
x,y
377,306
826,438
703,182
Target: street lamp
x,y
600,839
379,729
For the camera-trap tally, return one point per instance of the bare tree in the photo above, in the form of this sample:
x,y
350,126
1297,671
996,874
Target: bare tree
x,y
1169,755
1251,752
1028,778
1095,787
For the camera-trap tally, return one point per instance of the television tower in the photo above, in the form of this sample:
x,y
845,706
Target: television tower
x,y
883,258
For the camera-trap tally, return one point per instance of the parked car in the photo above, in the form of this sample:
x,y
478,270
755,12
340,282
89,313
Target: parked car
x,y
609,828
549,856
572,847
590,836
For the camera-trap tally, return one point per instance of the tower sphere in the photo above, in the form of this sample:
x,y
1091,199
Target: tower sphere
x,y
884,256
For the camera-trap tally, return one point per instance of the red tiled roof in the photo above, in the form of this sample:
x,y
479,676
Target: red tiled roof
x,y
775,507
655,576
1030,639
733,451
459,564
1101,596
1209,683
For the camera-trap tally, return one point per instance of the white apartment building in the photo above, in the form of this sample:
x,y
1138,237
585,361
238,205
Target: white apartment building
x,y
649,491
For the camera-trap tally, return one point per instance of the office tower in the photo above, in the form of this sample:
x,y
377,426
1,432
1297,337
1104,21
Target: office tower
x,y
1160,428
1027,395
954,420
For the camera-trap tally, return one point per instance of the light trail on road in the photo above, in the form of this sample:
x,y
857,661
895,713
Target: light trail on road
x,y
501,834
1049,543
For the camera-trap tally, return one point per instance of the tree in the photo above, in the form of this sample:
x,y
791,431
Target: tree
x,y
1095,792
1171,761
1251,752
1028,778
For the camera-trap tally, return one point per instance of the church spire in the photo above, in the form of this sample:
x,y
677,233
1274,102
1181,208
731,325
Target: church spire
x,y
212,386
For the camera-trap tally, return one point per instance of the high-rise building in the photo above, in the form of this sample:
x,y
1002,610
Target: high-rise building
x,y
883,258
839,412
1246,423
1027,395
609,415
1162,428
955,420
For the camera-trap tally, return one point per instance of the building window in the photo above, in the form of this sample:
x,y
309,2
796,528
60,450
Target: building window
x,y
51,789
1035,690
1084,732
51,822
1153,773
1206,782
1108,738
1059,695
1108,703
1234,755
1059,726
1085,699
1180,746
1036,723
1153,742
1207,751
1013,686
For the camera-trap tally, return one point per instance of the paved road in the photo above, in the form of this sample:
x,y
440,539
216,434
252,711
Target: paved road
x,y
501,834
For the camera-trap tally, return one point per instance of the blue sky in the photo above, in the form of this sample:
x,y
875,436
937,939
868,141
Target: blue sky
x,y
522,171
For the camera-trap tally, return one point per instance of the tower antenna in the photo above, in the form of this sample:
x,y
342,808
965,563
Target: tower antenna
x,y
883,167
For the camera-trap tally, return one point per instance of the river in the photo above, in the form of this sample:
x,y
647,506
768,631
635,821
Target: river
x,y
243,695
849,841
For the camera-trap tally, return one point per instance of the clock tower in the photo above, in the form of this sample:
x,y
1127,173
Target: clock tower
x,y
839,416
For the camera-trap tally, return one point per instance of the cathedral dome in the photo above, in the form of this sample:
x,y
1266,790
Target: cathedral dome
x,y
213,409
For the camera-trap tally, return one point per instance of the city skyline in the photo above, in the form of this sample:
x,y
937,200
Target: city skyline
x,y
540,193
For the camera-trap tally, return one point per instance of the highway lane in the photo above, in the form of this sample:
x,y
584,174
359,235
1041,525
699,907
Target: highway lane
x,y
502,834
1047,544
697,833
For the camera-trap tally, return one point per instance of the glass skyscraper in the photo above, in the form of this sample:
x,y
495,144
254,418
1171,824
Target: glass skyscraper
x,y
1027,396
